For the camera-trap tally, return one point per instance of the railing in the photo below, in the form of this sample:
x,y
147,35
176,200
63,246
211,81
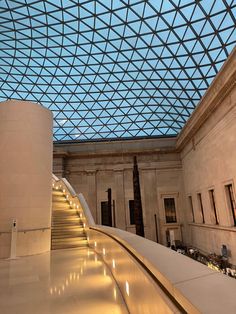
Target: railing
x,y
151,277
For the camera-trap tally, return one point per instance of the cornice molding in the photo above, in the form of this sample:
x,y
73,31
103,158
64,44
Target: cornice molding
x,y
60,154
218,90
82,155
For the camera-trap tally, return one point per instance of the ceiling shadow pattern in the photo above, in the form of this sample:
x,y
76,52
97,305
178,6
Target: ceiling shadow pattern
x,y
114,68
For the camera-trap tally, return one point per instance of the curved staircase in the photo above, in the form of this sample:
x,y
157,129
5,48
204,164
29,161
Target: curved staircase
x,y
67,226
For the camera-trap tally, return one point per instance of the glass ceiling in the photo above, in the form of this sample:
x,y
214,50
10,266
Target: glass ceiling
x,y
114,68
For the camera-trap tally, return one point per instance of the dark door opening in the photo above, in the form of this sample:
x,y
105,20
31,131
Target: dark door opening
x,y
106,214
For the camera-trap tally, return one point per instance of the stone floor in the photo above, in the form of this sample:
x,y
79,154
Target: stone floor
x,y
60,282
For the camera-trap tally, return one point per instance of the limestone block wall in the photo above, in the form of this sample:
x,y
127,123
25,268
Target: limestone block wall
x,y
92,168
208,160
25,176
210,164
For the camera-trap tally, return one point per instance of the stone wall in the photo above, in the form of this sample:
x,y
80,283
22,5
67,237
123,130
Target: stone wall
x,y
208,158
92,168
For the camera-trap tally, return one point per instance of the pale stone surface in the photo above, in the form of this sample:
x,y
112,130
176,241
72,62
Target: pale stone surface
x,y
59,282
208,161
25,181
196,287
139,290
92,169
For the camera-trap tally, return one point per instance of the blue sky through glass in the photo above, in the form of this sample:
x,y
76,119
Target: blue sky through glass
x,y
114,69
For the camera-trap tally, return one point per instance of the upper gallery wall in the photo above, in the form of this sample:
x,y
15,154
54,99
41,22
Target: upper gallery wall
x,y
114,68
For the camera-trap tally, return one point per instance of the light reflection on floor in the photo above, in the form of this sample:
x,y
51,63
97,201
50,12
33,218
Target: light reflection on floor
x,y
63,282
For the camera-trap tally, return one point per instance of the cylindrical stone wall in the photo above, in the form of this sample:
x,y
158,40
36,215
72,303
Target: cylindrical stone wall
x,y
25,176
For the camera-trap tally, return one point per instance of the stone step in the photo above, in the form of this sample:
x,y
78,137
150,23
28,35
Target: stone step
x,y
65,212
62,211
61,205
69,239
67,219
59,200
60,224
68,233
68,229
68,246
59,196
62,229
66,226
65,215
57,192
69,242
58,238
66,223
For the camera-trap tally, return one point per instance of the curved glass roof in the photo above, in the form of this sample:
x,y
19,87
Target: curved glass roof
x,y
114,68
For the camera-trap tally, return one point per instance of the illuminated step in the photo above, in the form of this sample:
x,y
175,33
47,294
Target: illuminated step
x,y
61,205
66,212
70,239
68,246
67,219
60,209
65,215
67,224
57,192
68,234
72,233
59,200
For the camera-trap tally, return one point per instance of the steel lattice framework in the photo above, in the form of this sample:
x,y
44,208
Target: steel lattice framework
x,y
114,68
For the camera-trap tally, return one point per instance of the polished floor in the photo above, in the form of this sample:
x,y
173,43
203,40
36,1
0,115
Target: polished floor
x,y
61,282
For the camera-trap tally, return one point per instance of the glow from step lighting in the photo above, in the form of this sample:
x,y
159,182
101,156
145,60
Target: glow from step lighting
x,y
127,287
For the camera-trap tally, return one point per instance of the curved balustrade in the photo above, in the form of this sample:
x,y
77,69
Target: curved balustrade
x,y
151,277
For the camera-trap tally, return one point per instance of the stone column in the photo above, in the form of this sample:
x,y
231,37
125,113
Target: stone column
x,y
25,176
59,161
149,202
119,196
92,193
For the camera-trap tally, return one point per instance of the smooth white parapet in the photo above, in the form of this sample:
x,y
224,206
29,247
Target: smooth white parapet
x,y
25,176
